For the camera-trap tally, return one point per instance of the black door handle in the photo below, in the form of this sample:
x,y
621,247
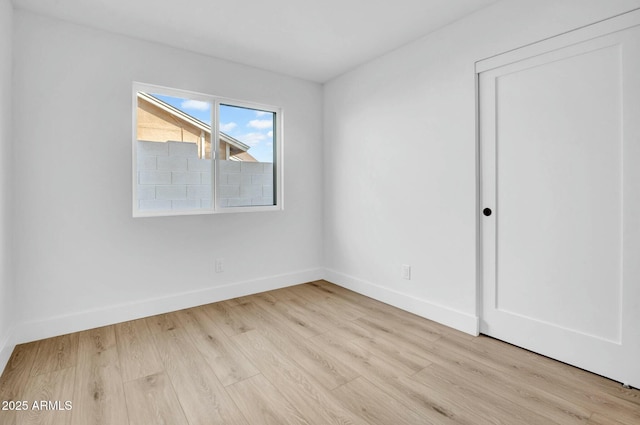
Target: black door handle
x,y
486,212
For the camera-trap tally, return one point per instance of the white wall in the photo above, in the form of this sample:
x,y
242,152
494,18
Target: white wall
x,y
409,117
6,276
82,260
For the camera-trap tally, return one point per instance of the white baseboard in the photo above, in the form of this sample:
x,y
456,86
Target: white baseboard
x,y
459,320
6,348
75,322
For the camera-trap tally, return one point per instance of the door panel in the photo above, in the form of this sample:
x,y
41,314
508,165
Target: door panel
x,y
555,143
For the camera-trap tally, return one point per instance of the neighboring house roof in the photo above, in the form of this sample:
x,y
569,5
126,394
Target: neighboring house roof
x,y
193,121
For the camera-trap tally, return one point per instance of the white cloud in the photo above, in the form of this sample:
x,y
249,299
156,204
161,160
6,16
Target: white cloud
x,y
227,127
252,139
196,105
260,124
270,134
261,113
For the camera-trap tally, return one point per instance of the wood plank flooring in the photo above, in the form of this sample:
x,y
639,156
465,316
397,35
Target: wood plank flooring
x,y
313,354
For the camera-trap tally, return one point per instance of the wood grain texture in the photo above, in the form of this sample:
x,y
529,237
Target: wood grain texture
x,y
308,354
98,395
201,395
322,313
295,384
226,360
488,378
138,355
18,370
327,370
227,318
161,323
15,378
55,354
299,321
374,405
430,404
504,411
151,400
262,403
598,419
49,392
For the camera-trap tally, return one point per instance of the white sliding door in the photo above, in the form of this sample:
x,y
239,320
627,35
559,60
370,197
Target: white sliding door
x,y
560,172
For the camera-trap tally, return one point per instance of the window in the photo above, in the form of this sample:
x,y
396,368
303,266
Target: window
x,y
201,154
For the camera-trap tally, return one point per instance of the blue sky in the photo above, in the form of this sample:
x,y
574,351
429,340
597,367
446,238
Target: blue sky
x,y
250,126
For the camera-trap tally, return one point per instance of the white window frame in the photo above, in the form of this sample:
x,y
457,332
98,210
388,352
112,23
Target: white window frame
x,y
215,102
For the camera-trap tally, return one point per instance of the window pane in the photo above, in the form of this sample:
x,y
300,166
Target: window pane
x,y
246,157
173,147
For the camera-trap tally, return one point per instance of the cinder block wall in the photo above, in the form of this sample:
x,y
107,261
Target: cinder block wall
x,y
245,183
172,177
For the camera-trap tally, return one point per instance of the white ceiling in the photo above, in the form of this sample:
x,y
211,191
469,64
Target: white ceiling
x,y
311,39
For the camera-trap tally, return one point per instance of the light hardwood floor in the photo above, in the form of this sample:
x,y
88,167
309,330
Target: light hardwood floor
x,y
309,354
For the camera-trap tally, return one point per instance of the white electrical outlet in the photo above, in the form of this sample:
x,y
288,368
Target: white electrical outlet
x,y
406,272
219,265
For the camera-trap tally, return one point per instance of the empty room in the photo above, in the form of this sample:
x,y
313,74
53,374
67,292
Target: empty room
x,y
319,212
